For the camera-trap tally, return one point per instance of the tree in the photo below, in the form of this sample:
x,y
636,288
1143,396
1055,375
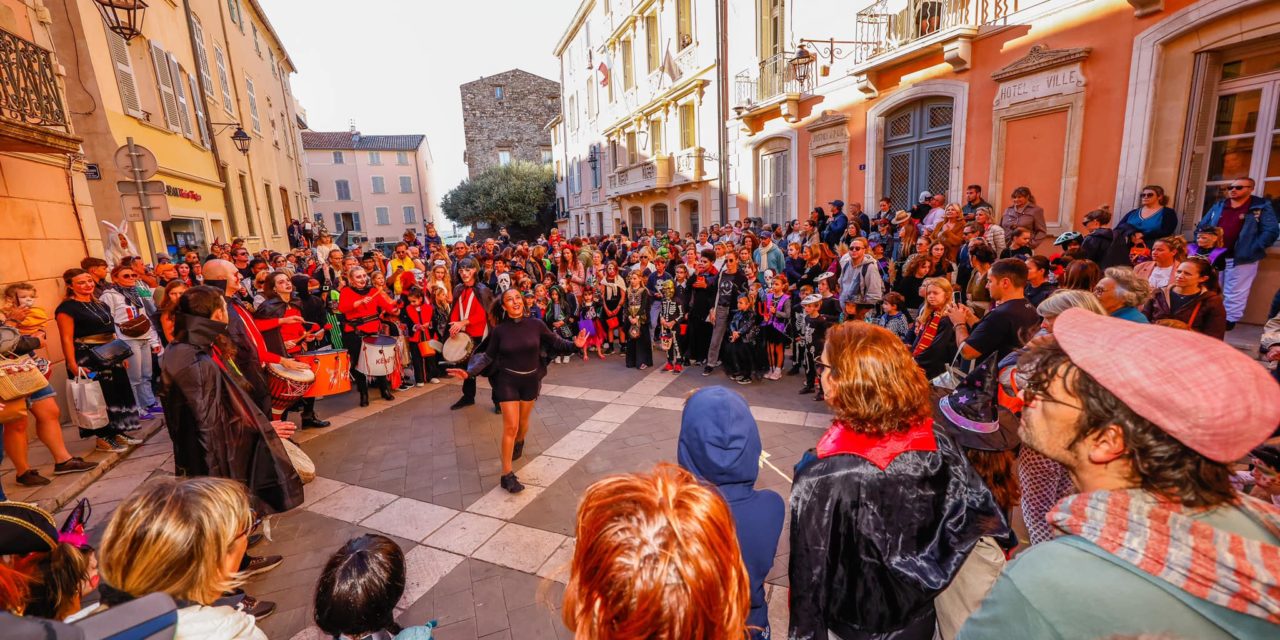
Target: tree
x,y
520,196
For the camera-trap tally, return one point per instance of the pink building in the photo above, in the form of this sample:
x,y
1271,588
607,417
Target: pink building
x,y
374,187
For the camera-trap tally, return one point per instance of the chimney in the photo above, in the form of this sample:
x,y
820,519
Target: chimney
x,y
355,133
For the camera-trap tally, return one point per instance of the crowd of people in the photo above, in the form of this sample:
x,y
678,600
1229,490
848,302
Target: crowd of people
x,y
929,332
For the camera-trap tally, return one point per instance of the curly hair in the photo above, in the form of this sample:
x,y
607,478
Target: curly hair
x,y
1159,464
1131,288
875,385
657,557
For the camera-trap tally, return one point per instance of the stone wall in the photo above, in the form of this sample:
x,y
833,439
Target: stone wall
x,y
515,123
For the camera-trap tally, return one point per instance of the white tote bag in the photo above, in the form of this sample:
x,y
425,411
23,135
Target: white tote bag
x,y
88,406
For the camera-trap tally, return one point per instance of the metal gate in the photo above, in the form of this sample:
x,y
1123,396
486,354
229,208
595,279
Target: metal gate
x,y
917,150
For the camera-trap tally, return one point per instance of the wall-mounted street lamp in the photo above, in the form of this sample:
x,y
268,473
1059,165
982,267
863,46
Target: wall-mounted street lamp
x,y
123,17
593,158
239,137
801,64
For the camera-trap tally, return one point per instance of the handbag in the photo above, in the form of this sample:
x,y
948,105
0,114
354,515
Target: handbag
x,y
19,377
87,404
105,356
302,463
137,327
951,377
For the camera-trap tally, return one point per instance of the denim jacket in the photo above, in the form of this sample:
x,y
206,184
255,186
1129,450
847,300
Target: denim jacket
x,y
1259,231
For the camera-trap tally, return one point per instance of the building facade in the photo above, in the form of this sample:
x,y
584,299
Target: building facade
x,y
200,70
638,138
504,118
374,188
1082,102
47,219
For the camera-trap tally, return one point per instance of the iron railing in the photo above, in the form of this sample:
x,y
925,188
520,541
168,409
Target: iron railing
x,y
313,186
772,77
28,86
885,26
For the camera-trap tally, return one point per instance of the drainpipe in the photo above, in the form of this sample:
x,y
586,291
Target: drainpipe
x,y
722,105
208,117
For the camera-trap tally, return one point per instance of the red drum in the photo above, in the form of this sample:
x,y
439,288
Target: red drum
x,y
332,369
287,386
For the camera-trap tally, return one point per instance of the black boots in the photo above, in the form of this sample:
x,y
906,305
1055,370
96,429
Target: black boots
x,y
517,451
312,422
510,483
385,389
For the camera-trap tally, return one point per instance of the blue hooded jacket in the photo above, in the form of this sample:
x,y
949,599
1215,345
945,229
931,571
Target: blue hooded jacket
x,y
720,443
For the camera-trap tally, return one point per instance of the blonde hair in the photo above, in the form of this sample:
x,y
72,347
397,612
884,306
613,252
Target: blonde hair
x,y
876,386
171,536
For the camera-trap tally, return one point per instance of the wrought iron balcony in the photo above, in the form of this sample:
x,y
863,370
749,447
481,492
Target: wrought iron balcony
x,y
774,76
886,26
313,187
33,116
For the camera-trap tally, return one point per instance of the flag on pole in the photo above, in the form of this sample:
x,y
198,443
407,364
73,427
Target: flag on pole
x,y
669,66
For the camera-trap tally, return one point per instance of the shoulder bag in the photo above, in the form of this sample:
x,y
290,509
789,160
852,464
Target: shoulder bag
x,y
105,356
20,377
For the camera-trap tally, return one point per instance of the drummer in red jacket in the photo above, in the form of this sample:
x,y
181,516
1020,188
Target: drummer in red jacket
x,y
362,306
470,315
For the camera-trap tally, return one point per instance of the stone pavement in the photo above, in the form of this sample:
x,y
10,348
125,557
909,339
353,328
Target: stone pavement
x,y
482,562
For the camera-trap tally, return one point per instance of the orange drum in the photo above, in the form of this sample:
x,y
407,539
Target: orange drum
x,y
333,372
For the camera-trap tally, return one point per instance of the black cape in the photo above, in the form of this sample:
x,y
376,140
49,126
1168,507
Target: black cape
x,y
216,428
880,526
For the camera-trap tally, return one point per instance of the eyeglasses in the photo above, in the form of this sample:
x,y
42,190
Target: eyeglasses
x,y
1148,194
255,520
1239,187
126,276
821,366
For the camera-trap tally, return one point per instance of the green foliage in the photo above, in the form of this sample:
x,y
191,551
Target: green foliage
x,y
520,195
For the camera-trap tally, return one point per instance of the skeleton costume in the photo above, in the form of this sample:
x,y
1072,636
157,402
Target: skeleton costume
x,y
670,310
811,337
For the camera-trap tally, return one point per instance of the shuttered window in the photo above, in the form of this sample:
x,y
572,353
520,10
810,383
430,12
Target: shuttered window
x,y
383,215
180,90
202,56
164,82
221,61
379,184
251,93
202,121
406,184
271,210
688,124
410,215
343,188
124,74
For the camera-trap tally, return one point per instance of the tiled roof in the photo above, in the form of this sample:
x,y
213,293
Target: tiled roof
x,y
348,140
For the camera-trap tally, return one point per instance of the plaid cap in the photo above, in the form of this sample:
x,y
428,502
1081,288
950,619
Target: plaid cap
x,y
1222,405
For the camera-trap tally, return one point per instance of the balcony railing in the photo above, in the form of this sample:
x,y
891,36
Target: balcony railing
x,y
28,86
772,77
313,187
885,26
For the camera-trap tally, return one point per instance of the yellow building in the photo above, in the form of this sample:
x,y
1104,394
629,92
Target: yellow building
x,y
200,71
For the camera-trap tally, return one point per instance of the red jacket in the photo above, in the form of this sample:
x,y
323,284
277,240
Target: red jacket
x,y
477,316
288,332
255,331
367,317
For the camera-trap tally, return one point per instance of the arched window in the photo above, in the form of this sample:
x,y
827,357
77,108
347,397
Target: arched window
x,y
660,217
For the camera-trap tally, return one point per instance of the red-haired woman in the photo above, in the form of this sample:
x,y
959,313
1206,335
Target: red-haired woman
x,y
657,557
883,511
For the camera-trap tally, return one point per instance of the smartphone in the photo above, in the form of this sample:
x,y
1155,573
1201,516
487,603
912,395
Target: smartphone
x,y
955,297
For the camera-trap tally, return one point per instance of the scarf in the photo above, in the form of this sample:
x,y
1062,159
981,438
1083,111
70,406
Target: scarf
x,y
930,332
1161,540
130,294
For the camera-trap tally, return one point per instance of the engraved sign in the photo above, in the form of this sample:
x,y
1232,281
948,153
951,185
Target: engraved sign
x,y
1055,82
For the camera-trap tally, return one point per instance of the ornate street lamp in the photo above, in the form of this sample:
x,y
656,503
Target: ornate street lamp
x,y
801,64
593,159
242,140
123,17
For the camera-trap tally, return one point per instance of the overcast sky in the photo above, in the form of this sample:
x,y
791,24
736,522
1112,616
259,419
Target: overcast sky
x,y
394,66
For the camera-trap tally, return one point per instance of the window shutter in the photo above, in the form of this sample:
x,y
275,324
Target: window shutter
x,y
383,214
180,90
202,122
406,184
202,56
124,74
164,81
410,215
221,61
253,104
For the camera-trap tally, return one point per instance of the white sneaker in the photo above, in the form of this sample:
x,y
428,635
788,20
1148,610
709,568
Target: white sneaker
x,y
434,381
420,384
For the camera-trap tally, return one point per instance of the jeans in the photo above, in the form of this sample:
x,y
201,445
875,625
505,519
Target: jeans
x,y
1237,279
140,373
717,335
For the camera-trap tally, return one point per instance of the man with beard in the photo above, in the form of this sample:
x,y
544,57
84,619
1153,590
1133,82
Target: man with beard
x,y
1157,542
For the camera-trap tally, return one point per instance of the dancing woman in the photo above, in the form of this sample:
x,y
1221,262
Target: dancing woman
x,y
514,348
362,307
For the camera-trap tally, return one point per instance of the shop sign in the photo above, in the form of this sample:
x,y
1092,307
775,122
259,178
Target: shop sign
x,y
92,172
1054,82
186,194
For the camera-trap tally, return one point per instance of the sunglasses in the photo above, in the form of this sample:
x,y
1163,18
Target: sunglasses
x,y
1148,195
1238,187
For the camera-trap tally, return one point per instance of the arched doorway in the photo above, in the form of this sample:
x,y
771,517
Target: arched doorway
x,y
660,217
689,216
635,219
917,150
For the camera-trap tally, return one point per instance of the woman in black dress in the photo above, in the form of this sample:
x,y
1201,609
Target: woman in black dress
x,y
514,351
639,347
84,323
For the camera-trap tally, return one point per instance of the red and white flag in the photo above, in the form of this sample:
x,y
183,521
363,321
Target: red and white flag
x,y
604,74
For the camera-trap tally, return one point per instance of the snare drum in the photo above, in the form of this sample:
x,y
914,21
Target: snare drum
x,y
377,356
457,348
332,369
287,386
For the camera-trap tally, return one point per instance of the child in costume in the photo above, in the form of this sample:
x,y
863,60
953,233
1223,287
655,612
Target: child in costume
x,y
671,312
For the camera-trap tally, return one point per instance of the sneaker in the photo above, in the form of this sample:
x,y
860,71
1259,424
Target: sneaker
x,y
255,538
643,367
129,440
74,464
435,381
510,483
108,445
32,478
679,368
706,371
462,402
259,565
1231,325
667,367
744,380
259,609
420,384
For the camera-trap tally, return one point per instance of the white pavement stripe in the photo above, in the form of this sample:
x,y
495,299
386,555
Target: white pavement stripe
x,y
598,426
409,518
576,444
519,547
464,533
557,566
600,395
498,503
566,391
664,402
352,503
618,413
424,567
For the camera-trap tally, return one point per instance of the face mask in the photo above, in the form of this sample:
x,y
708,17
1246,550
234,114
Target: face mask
x,y
220,285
